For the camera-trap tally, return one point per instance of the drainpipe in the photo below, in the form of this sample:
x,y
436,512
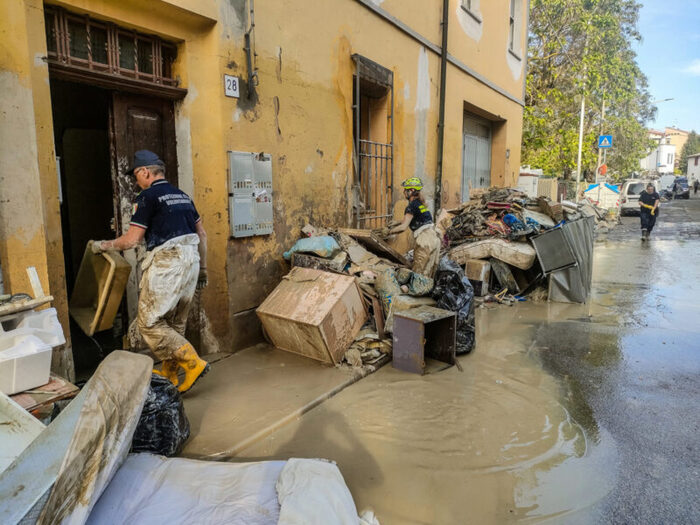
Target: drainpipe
x,y
250,54
441,118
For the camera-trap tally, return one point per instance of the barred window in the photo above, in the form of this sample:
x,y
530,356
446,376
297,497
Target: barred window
x,y
83,43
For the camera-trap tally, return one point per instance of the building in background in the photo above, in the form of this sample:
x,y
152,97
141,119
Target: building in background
x,y
270,114
661,160
678,138
693,172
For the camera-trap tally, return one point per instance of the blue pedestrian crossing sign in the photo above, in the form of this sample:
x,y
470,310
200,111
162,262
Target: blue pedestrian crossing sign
x,y
605,141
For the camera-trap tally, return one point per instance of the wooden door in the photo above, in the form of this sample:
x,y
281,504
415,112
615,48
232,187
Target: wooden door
x,y
138,122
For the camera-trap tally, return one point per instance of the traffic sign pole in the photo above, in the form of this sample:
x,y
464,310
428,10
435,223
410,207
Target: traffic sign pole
x,y
602,119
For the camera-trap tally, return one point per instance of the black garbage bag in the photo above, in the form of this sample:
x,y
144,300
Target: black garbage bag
x,y
163,427
454,292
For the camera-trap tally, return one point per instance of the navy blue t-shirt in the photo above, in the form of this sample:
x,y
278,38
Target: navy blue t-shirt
x,y
649,199
165,212
421,215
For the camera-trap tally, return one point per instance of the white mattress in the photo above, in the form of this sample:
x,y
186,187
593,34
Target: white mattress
x,y
151,489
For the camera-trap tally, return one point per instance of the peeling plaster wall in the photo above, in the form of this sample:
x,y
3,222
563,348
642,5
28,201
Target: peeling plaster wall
x,y
30,233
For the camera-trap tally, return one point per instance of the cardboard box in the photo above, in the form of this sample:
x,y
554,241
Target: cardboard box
x,y
478,272
314,313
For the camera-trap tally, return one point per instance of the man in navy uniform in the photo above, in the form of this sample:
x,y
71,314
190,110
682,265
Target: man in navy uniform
x,y
648,210
174,266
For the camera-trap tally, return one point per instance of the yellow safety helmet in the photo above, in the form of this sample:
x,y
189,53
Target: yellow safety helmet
x,y
414,183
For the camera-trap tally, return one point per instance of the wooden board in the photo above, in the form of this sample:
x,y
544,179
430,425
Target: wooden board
x,y
56,389
23,305
375,244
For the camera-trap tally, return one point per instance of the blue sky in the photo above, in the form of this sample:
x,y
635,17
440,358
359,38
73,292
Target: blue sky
x,y
669,55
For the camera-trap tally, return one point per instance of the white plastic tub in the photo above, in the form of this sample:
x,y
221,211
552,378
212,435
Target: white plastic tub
x,y
26,344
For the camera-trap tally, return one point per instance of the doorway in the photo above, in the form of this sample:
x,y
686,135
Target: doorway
x,y
96,132
476,154
81,137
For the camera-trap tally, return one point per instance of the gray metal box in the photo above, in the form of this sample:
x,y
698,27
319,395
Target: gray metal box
x,y
250,193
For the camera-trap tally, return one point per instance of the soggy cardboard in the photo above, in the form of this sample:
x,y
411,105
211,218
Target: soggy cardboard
x,y
314,313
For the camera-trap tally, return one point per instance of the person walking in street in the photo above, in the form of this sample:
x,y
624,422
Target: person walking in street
x,y
696,185
648,210
174,267
417,217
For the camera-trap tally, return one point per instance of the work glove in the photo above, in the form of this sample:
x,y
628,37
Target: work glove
x,y
96,247
382,232
203,279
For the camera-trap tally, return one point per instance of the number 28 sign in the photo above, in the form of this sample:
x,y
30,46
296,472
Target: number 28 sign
x,y
231,86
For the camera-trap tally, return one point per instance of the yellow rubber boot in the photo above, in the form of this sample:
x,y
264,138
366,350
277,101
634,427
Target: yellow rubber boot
x,y
169,370
192,364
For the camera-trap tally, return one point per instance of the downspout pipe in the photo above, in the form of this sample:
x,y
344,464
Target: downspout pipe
x,y
441,118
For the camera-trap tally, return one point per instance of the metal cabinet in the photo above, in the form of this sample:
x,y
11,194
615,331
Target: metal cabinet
x,y
250,193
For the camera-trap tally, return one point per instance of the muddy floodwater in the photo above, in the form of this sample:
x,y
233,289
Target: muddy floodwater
x,y
478,444
563,413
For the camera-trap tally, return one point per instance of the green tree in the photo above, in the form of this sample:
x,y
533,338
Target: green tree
x,y
691,147
584,48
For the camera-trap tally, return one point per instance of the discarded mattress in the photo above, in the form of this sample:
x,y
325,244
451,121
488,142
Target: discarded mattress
x,y
518,254
18,428
154,489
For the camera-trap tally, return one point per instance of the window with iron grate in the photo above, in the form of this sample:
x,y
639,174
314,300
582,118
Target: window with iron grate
x,y
79,42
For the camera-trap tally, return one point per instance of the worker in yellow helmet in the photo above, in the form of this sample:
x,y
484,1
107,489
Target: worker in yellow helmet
x,y
418,218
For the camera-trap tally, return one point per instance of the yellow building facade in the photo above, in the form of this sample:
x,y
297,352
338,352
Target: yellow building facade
x,y
678,138
334,103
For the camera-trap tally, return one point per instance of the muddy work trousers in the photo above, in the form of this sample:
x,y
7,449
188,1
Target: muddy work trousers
x,y
426,252
648,220
167,288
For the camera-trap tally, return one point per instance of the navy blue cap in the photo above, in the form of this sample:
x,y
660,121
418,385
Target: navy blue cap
x,y
142,158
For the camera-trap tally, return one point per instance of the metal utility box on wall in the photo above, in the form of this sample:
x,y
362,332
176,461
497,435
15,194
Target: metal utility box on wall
x,y
423,332
250,193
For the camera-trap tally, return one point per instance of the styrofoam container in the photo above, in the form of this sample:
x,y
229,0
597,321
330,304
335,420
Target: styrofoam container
x,y
25,362
44,324
26,343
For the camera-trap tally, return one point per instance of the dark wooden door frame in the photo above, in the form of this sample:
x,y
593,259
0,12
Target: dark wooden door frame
x,y
123,144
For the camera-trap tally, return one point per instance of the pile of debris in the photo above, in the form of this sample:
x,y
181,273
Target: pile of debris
x,y
605,220
347,287
355,282
495,236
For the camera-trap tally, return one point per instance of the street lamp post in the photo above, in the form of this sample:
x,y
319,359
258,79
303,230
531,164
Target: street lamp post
x,y
663,136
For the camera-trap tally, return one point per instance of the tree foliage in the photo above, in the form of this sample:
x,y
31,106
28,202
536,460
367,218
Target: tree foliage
x,y
584,48
691,147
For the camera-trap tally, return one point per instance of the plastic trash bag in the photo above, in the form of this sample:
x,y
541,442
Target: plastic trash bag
x,y
454,292
163,427
324,246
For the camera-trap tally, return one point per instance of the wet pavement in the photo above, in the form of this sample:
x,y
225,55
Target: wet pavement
x,y
564,413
